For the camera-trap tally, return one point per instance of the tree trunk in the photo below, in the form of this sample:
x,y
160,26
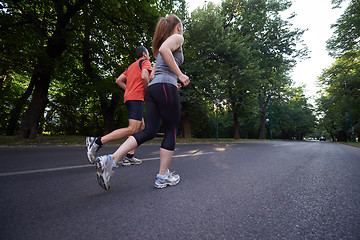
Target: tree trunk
x,y
332,137
246,133
186,126
235,116
45,68
263,106
283,134
107,109
262,125
32,116
236,126
109,124
16,111
108,112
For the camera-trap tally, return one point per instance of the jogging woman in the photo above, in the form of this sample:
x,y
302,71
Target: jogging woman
x,y
162,101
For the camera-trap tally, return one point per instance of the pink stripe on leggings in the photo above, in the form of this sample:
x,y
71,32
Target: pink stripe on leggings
x,y
175,133
165,91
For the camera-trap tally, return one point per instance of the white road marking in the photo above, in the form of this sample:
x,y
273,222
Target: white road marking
x,y
282,145
88,165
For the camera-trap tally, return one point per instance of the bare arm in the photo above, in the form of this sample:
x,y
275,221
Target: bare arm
x,y
173,42
152,75
145,77
121,81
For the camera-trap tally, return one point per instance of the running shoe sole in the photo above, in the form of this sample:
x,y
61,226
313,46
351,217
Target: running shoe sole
x,y
89,158
164,185
101,182
88,144
126,164
130,163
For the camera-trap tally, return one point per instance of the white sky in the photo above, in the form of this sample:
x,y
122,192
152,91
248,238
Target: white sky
x,y
316,16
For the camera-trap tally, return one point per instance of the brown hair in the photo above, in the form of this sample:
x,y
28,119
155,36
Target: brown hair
x,y
164,28
140,50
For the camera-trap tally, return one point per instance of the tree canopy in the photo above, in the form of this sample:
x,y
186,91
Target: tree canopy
x,y
60,59
339,104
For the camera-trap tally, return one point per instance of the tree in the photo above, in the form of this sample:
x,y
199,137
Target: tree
x,y
275,48
198,47
238,53
22,39
340,101
59,33
52,22
346,36
218,57
292,115
108,40
246,50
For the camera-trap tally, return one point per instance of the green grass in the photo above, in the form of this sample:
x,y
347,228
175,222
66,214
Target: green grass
x,y
15,140
356,144
80,140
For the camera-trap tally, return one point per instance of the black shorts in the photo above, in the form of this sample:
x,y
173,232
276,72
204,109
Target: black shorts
x,y
135,109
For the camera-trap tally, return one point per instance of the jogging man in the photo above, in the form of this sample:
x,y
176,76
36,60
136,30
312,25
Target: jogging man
x,y
134,81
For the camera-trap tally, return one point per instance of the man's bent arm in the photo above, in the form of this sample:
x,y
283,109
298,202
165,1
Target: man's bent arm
x,y
121,81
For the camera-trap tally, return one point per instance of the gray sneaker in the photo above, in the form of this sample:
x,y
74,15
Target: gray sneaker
x,y
104,167
131,161
171,179
92,147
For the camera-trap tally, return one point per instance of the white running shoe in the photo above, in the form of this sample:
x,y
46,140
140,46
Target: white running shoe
x,y
171,179
131,161
92,147
104,166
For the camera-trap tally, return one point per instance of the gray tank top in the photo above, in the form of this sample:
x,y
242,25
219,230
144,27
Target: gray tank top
x,y
163,73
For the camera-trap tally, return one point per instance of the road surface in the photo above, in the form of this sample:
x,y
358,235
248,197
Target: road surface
x,y
254,190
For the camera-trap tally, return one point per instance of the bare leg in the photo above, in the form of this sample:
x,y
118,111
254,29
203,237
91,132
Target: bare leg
x,y
165,159
116,134
134,127
128,145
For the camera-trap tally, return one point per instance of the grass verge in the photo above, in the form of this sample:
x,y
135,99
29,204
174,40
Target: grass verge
x,y
80,140
356,144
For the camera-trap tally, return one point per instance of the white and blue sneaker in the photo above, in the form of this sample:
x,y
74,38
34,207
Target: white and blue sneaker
x,y
131,161
104,166
92,147
170,179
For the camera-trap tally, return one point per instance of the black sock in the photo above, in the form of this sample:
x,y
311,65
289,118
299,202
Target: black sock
x,y
98,141
129,155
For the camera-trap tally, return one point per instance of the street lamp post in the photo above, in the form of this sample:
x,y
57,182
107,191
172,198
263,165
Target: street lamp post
x,y
217,127
270,120
351,125
216,102
350,119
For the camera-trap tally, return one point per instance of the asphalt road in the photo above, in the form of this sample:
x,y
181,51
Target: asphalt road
x,y
258,190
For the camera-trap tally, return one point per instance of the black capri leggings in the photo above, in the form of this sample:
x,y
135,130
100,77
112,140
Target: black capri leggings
x,y
162,102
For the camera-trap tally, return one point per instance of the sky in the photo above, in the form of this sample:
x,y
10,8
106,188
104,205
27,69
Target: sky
x,y
316,16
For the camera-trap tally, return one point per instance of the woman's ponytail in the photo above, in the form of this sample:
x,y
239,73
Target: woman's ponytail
x,y
164,28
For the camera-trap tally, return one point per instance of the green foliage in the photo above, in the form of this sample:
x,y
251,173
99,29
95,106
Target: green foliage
x,y
347,31
340,101
234,53
339,104
100,42
22,34
292,116
12,86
